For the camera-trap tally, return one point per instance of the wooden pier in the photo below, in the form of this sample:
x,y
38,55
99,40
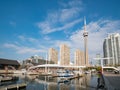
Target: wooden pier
x,y
14,87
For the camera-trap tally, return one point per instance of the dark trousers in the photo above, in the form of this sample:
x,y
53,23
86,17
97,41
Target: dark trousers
x,y
98,80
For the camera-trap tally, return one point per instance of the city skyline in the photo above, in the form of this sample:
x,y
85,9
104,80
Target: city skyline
x,y
53,55
31,27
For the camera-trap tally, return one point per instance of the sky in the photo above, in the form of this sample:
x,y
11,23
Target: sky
x,y
31,27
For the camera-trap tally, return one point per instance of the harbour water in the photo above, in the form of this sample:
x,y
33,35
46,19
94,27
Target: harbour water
x,y
87,82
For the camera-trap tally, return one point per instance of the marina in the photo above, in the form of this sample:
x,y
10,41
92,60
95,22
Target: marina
x,y
55,77
47,82
62,80
60,45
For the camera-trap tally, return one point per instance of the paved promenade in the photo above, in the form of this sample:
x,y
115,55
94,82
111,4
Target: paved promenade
x,y
112,81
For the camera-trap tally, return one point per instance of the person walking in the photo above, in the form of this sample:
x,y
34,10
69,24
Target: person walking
x,y
98,79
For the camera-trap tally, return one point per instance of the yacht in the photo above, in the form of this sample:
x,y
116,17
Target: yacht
x,y
65,73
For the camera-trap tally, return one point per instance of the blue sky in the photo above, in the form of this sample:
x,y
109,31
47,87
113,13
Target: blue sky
x,y
31,27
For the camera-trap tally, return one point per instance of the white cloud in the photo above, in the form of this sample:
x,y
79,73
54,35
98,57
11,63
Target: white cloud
x,y
59,42
33,42
97,31
67,14
11,46
47,38
46,28
71,10
30,39
61,19
23,50
21,37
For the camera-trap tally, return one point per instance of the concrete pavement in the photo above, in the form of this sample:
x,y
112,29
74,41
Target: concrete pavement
x,y
112,81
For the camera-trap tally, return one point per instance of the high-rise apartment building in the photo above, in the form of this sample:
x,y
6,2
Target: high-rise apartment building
x,y
111,49
79,58
98,61
64,55
53,55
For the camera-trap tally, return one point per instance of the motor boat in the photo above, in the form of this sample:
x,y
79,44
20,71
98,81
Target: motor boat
x,y
65,73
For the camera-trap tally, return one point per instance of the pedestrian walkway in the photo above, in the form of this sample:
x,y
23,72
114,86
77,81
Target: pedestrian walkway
x,y
112,81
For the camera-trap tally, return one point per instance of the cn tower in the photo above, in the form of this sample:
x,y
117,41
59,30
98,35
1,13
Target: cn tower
x,y
85,35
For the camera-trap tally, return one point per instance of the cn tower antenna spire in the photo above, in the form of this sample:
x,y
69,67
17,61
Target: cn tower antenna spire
x,y
84,23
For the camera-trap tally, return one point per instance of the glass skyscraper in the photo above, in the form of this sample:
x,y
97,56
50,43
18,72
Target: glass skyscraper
x,y
111,49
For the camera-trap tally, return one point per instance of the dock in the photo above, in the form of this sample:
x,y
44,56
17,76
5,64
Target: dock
x,y
14,87
75,76
5,79
4,72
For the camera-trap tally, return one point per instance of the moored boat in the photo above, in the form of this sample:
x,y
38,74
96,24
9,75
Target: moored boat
x,y
65,73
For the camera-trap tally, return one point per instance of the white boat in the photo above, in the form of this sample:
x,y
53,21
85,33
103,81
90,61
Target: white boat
x,y
80,73
31,73
87,72
65,73
22,71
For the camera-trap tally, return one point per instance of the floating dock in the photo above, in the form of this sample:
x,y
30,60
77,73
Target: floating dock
x,y
5,79
75,76
14,87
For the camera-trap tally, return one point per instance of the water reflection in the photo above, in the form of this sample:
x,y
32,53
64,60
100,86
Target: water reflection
x,y
87,82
